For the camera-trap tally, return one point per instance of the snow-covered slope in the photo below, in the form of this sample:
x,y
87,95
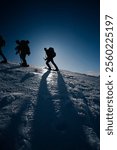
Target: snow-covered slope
x,y
43,110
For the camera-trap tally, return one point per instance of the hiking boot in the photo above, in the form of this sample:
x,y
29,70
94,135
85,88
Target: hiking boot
x,y
24,65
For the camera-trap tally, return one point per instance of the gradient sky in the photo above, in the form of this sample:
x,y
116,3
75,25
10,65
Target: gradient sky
x,y
72,27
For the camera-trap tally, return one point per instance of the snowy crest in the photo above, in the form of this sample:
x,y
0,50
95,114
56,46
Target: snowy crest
x,y
42,109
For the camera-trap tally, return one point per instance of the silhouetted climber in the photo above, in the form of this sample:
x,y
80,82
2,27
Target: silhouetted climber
x,y
50,55
23,50
2,44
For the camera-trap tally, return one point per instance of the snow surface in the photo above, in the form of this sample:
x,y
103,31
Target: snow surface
x,y
43,110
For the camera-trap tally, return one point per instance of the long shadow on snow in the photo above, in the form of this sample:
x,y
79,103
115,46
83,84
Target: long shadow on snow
x,y
56,133
4,102
43,136
10,68
26,77
10,138
74,138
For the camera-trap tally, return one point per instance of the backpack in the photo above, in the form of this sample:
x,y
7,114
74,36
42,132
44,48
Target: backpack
x,y
27,50
24,47
51,52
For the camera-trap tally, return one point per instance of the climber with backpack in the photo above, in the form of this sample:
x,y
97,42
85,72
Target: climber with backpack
x,y
23,49
2,44
50,54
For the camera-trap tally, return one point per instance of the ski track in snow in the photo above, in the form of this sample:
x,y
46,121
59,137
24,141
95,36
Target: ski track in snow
x,y
42,110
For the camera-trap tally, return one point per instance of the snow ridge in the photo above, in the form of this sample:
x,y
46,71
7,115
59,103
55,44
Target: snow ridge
x,y
42,109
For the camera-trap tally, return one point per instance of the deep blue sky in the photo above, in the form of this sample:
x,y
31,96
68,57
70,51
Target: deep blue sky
x,y
72,27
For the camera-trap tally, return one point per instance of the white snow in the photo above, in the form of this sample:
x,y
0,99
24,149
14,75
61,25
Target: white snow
x,y
43,110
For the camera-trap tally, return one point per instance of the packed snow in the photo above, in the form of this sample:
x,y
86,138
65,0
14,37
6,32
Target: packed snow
x,y
48,110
